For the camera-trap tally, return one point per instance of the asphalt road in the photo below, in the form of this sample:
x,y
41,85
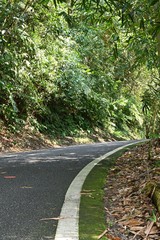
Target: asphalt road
x,y
33,186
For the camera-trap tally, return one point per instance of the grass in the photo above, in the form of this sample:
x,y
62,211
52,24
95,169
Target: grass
x,y
92,214
156,163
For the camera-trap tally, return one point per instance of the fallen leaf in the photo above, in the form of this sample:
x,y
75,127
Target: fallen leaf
x,y
149,228
9,177
110,237
131,222
154,230
100,236
136,228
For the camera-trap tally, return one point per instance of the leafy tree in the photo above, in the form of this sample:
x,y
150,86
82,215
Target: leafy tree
x,y
71,65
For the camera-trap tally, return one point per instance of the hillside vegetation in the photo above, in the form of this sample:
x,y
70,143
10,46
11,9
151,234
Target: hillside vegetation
x,y
70,68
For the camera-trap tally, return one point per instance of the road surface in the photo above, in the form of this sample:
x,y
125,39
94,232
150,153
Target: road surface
x,y
33,186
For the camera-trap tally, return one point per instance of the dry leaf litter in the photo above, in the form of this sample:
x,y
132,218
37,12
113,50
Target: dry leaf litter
x,y
130,214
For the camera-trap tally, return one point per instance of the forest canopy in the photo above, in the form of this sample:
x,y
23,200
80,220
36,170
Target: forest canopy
x,y
71,66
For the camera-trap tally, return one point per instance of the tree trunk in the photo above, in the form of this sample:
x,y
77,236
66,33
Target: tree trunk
x,y
152,189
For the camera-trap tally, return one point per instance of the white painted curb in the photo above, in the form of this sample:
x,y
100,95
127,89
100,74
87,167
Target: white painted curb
x,y
68,224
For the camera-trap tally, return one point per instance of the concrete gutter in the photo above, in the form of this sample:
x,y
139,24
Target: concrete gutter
x,y
68,224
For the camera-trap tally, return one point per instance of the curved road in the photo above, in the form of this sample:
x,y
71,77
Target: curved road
x,y
33,187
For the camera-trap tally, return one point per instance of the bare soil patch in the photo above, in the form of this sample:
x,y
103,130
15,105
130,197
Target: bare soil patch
x,y
24,140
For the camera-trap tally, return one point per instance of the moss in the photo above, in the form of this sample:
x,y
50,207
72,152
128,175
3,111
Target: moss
x,y
152,189
92,215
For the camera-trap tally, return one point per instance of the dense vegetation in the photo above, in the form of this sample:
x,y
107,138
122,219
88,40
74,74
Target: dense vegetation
x,y
71,66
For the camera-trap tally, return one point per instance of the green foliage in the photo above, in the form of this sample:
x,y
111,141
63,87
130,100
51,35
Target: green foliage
x,y
151,109
16,52
72,65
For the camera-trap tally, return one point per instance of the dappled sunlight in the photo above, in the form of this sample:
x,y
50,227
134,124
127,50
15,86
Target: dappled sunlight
x,y
70,154
26,187
46,156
